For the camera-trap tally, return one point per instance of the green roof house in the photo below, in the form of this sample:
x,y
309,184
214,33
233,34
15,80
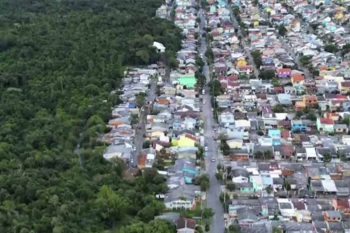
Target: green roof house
x,y
189,81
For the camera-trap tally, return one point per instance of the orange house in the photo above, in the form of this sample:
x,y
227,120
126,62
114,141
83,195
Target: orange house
x,y
298,79
342,204
309,101
331,115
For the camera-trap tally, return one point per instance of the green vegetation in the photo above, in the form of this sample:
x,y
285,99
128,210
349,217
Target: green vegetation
x,y
305,60
60,60
331,48
224,147
278,108
210,55
156,226
282,30
256,54
267,74
234,229
203,182
215,88
141,99
230,186
345,49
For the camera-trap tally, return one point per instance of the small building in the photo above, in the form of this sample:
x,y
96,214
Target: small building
x,y
325,125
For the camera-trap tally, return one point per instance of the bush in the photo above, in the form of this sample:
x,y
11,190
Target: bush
x,y
146,144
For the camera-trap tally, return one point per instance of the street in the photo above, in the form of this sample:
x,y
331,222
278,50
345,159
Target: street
x,y
140,130
213,194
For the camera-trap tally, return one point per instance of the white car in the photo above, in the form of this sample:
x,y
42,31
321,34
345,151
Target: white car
x,y
213,160
206,148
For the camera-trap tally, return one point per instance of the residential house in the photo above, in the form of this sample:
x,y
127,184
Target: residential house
x,y
298,79
342,205
185,225
298,126
275,134
284,73
186,140
286,208
332,216
341,128
257,182
345,87
325,125
182,197
226,119
187,82
284,99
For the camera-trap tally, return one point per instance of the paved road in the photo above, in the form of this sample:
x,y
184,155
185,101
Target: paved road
x,y
141,127
213,194
245,46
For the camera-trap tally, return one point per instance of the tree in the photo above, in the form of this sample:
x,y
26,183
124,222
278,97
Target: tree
x,y
200,153
141,99
148,212
256,54
156,226
268,154
287,186
203,182
278,108
215,88
210,55
111,205
282,30
146,144
207,227
331,48
267,74
225,148
327,157
277,230
230,186
311,116
258,155
85,49
207,213
345,49
234,229
305,60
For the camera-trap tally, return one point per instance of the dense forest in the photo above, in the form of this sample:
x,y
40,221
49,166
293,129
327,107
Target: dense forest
x,y
60,60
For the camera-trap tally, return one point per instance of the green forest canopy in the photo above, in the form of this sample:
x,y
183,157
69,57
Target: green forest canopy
x,y
59,62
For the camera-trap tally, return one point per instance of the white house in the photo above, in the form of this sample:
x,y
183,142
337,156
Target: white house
x,y
286,207
159,46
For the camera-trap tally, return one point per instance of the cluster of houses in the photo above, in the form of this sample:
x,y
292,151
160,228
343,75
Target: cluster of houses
x,y
121,136
284,139
229,59
179,101
297,197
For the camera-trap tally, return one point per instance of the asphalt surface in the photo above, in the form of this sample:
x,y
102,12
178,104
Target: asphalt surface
x,y
211,161
140,130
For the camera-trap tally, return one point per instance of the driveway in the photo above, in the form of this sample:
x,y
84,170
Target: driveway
x,y
213,194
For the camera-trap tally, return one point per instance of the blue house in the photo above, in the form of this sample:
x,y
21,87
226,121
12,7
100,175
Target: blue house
x,y
190,172
132,105
275,134
298,126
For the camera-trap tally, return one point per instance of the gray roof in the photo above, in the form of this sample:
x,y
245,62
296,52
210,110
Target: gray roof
x,y
183,191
